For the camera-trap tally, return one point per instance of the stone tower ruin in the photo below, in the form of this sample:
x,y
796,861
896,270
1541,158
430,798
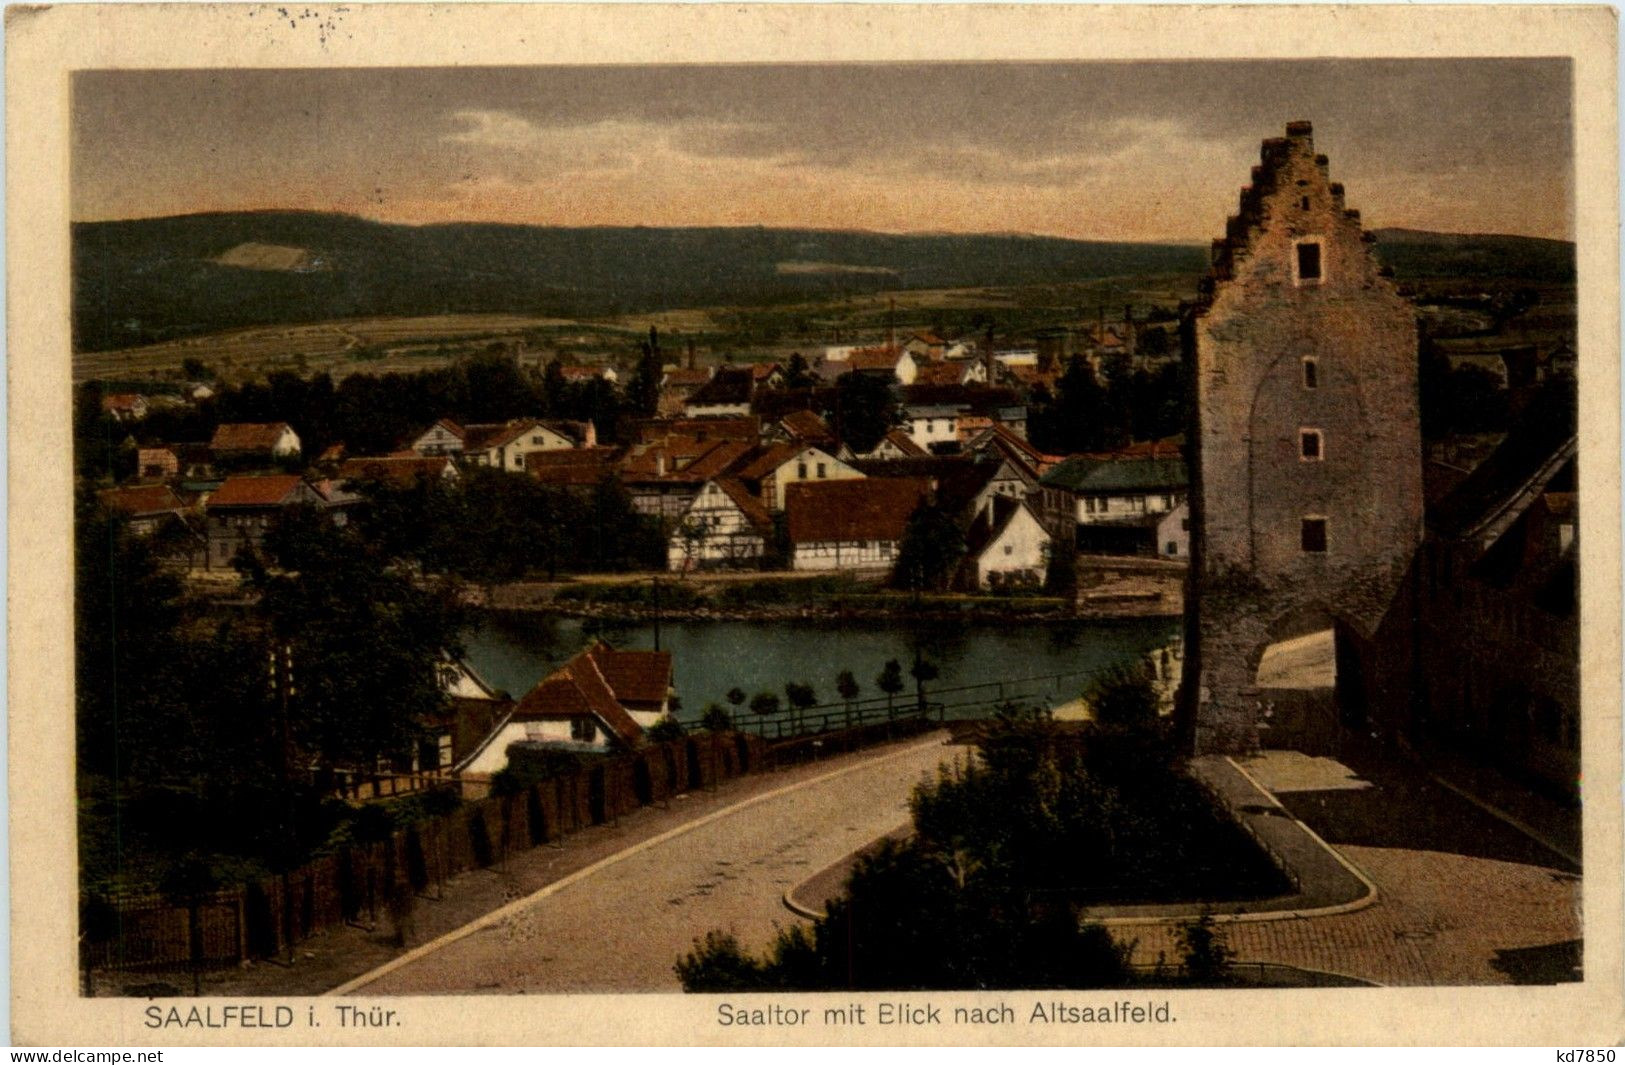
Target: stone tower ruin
x,y
1305,447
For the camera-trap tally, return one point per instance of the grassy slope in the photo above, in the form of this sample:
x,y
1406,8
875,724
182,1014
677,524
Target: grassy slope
x,y
153,279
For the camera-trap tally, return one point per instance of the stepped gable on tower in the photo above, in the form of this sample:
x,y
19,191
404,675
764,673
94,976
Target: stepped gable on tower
x,y
1306,501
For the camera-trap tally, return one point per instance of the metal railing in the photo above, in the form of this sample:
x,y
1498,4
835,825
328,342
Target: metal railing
x,y
962,701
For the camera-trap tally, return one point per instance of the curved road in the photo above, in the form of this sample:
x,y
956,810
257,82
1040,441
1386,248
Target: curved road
x,y
622,924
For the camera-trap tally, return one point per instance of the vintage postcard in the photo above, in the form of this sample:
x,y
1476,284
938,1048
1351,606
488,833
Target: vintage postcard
x,y
813,525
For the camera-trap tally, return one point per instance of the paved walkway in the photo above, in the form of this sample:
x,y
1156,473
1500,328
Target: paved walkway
x,y
340,954
622,926
1462,897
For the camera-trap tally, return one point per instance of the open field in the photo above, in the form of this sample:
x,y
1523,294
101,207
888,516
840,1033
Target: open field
x,y
382,344
340,348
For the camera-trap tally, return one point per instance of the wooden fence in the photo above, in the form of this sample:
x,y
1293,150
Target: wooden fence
x,y
365,883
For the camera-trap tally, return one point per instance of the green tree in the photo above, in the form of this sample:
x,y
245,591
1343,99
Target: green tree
x,y
1061,567
764,703
736,697
932,547
716,719
798,374
1124,697
890,680
643,390
665,730
866,409
801,698
923,672
364,641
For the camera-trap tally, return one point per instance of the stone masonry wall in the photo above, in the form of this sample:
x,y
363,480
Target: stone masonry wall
x,y
1252,487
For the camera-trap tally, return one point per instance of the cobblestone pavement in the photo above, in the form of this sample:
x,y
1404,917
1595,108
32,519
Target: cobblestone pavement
x,y
622,927
1463,898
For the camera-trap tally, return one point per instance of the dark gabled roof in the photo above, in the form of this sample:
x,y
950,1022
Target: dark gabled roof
x,y
634,676
731,385
499,434
989,523
955,480
807,426
572,467
1086,475
722,457
577,688
769,460
267,490
774,403
247,436
142,501
748,504
731,427
901,441
1542,441
866,509
575,432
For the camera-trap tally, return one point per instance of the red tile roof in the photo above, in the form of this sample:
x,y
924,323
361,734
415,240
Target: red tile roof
x,y
881,358
738,427
682,460
247,436
806,425
904,443
269,490
597,682
868,509
940,373
498,434
142,501
719,459
572,467
768,461
686,378
634,676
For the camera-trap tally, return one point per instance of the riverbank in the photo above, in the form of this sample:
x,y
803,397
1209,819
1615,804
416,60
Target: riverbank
x,y
822,597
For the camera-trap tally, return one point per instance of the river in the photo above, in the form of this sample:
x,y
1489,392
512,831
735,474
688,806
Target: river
x,y
514,651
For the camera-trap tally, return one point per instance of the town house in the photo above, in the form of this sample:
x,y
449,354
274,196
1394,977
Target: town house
x,y
600,701
725,527
851,524
241,510
785,464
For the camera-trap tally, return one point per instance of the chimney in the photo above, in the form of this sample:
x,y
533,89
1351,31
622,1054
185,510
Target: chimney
x,y
691,362
988,362
891,325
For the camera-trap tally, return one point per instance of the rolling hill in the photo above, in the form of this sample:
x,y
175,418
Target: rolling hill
x,y
149,280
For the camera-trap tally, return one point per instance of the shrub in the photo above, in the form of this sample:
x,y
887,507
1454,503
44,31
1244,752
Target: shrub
x,y
716,719
665,730
1207,954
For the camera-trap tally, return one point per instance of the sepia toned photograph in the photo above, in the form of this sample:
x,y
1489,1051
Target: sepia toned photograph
x,y
1094,530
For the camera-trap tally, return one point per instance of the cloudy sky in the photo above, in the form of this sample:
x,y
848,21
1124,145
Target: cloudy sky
x,y
1120,151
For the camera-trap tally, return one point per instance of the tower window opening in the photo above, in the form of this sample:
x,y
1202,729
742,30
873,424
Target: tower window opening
x,y
1310,445
1309,261
1311,373
1304,203
1313,536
